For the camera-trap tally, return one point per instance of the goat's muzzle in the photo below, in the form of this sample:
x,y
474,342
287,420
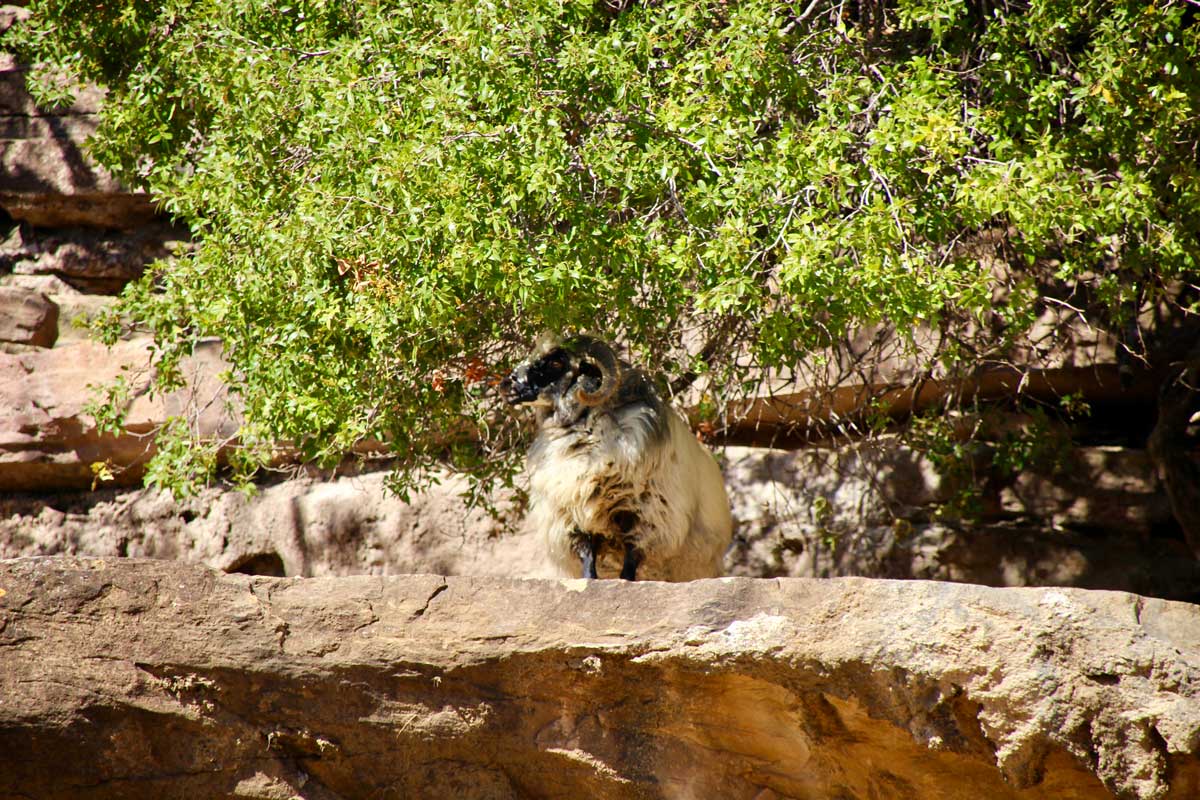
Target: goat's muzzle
x,y
516,389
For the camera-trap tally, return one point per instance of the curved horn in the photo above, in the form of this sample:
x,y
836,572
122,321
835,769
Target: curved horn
x,y
610,373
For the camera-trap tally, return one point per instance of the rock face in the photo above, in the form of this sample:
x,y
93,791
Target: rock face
x,y
27,317
48,180
47,438
307,526
351,525
89,260
870,508
126,678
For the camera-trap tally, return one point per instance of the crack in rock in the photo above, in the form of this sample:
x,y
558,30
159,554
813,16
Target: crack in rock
x,y
420,612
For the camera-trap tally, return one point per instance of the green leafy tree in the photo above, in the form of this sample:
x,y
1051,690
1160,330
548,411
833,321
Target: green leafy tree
x,y
389,199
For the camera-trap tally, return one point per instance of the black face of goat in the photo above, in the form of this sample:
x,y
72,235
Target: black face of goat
x,y
528,382
580,367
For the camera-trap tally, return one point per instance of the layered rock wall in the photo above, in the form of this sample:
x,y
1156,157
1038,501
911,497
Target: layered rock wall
x,y
126,678
800,514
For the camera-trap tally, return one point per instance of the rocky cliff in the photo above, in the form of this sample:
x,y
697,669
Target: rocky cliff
x,y
133,678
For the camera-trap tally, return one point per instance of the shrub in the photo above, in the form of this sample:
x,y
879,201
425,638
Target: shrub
x,y
390,198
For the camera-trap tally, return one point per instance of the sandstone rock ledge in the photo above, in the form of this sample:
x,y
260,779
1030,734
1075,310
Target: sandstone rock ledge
x,y
138,678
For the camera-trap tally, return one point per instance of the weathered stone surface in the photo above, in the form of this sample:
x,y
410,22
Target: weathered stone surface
x,y
47,441
795,516
75,308
126,678
867,509
1099,486
48,180
307,526
988,554
93,261
804,514
27,317
797,418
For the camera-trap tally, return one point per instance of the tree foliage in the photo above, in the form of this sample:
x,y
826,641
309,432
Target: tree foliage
x,y
390,198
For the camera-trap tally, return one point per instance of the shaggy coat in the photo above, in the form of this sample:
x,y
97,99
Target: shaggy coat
x,y
620,472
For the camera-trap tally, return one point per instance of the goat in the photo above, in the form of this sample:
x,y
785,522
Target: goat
x,y
615,474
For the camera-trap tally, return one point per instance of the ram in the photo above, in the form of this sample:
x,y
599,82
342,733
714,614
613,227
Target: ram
x,y
617,481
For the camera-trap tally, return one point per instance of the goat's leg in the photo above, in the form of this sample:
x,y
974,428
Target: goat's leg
x,y
588,548
625,520
633,559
